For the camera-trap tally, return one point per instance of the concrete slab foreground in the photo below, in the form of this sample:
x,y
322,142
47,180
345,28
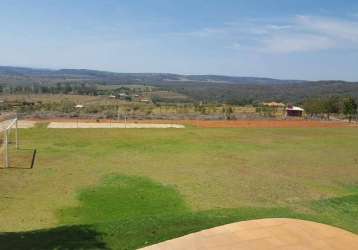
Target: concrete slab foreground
x,y
21,124
266,234
110,125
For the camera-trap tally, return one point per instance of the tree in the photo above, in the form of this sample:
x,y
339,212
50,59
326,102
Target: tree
x,y
68,88
349,107
314,106
67,106
228,111
331,105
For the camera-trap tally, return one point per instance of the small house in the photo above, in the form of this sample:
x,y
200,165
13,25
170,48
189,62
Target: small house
x,y
294,111
124,96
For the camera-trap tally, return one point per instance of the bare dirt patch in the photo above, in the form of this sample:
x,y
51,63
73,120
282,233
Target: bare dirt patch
x,y
21,124
265,234
269,124
110,125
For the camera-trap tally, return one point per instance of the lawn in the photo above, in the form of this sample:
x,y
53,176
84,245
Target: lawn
x,y
124,189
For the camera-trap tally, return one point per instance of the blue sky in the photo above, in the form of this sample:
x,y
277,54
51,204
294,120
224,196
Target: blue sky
x,y
303,39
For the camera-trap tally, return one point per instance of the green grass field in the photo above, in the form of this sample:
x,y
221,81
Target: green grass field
x,y
124,189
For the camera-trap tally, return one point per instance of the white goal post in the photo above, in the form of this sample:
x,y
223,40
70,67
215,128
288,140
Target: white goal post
x,y
6,130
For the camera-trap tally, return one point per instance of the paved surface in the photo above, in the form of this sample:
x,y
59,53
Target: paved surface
x,y
267,234
110,125
21,124
26,124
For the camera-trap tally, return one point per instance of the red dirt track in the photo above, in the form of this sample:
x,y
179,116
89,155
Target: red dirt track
x,y
230,124
270,124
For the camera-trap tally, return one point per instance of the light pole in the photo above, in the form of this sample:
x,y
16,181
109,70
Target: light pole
x,y
118,112
78,107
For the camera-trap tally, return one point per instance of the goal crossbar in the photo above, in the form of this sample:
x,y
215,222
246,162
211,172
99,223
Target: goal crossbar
x,y
4,148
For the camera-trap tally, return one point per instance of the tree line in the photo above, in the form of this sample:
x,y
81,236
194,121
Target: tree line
x,y
333,105
58,88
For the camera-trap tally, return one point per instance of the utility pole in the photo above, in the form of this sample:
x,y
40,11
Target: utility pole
x,y
16,134
118,112
125,120
78,107
6,155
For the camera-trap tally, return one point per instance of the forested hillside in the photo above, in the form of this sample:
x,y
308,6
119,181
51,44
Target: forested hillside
x,y
198,88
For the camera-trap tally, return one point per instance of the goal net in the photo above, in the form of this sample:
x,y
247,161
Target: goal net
x,y
9,139
12,154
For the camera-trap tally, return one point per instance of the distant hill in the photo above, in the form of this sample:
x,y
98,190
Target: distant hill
x,y
211,88
128,78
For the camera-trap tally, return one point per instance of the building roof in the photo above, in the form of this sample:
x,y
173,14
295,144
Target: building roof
x,y
274,104
295,108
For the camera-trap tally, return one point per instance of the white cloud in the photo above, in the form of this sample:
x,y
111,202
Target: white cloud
x,y
235,46
331,27
279,27
296,43
307,34
297,34
202,33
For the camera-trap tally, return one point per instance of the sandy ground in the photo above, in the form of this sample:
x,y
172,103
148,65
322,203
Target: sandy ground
x,y
265,234
110,125
21,124
26,124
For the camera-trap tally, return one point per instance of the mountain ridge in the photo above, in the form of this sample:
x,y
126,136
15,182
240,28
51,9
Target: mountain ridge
x,y
11,71
200,88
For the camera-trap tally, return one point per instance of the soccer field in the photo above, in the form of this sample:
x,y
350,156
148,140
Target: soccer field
x,y
124,189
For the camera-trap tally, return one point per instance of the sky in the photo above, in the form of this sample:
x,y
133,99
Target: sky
x,y
286,39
